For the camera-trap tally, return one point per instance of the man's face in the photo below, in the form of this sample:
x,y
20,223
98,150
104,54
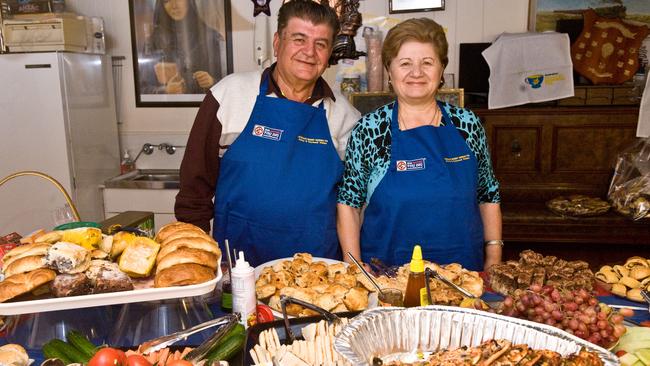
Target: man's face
x,y
303,49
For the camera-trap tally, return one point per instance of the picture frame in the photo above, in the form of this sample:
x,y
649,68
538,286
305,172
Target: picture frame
x,y
411,6
366,102
179,53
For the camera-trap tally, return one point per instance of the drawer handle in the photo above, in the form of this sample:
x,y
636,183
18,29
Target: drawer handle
x,y
515,148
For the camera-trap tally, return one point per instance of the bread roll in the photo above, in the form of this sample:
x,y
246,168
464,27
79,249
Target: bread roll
x,y
13,355
24,282
188,255
68,257
51,237
187,232
25,251
120,241
188,242
31,237
183,275
25,264
168,229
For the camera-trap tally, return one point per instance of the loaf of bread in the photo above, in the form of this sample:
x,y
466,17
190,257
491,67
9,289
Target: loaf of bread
x,y
188,255
24,264
138,258
24,282
183,275
13,355
183,232
188,242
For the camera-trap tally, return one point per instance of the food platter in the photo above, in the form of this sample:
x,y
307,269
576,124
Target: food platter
x,y
372,297
111,298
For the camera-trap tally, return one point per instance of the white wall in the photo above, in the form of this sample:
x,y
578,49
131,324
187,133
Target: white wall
x,y
465,20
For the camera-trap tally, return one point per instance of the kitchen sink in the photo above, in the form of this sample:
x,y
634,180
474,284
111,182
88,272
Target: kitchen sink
x,y
146,179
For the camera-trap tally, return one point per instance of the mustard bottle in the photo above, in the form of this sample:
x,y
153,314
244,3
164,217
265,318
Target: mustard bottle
x,y
415,294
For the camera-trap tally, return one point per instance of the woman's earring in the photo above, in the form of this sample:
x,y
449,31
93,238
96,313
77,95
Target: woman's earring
x,y
442,82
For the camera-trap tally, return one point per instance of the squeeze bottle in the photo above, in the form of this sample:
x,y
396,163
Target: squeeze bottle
x,y
243,291
415,286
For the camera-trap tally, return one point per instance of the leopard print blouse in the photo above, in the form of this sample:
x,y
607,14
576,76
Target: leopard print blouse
x,y
367,156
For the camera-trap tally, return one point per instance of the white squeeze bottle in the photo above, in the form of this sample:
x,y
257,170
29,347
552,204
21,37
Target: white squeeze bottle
x,y
243,290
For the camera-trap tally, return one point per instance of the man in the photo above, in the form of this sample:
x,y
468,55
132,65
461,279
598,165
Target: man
x,y
268,147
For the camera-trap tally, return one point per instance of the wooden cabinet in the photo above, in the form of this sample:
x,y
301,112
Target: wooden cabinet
x,y
542,152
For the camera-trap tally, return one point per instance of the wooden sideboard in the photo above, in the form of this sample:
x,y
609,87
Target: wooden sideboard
x,y
543,152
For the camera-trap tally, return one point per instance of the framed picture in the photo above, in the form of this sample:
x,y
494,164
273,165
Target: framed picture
x,y
411,6
543,15
180,49
369,101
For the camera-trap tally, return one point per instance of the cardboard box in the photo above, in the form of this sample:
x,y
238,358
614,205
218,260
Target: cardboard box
x,y
142,220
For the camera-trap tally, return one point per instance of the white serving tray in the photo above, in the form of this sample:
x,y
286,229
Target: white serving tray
x,y
110,298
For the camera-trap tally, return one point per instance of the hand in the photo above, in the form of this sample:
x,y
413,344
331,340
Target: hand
x,y
165,71
175,85
204,79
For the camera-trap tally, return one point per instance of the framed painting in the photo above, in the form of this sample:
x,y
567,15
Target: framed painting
x,y
411,6
543,15
180,49
369,101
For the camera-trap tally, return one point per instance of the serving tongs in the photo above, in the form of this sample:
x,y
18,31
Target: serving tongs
x,y
330,317
646,296
380,268
432,273
227,322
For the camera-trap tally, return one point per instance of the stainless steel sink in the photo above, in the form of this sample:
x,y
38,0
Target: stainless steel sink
x,y
146,179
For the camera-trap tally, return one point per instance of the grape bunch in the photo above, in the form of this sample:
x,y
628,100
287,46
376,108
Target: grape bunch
x,y
577,312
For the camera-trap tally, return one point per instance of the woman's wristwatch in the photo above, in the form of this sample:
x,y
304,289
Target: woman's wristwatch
x,y
494,242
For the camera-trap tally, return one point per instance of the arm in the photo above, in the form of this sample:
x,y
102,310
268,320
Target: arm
x,y
491,217
348,226
200,167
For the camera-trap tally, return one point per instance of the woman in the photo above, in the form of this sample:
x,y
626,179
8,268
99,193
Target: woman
x,y
421,167
190,51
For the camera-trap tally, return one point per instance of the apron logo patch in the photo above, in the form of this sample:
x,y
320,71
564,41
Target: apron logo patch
x,y
310,140
267,132
457,159
407,165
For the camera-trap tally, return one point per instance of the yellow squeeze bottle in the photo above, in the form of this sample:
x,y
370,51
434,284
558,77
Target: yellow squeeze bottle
x,y
415,285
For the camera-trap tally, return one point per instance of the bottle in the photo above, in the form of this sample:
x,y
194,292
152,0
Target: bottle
x,y
226,295
243,291
126,165
416,294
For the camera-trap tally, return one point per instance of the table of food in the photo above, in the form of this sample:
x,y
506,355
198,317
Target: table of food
x,y
82,296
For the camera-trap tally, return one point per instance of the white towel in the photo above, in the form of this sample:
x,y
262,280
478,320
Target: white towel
x,y
528,68
643,127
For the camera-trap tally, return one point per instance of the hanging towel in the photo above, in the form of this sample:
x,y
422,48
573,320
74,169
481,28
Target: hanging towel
x,y
529,68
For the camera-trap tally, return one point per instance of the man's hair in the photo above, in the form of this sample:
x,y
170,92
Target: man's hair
x,y
308,10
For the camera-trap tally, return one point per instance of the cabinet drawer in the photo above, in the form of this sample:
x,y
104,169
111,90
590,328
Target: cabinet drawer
x,y
516,149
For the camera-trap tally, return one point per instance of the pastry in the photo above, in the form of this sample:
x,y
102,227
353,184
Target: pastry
x,y
24,282
356,299
24,264
183,274
68,257
120,241
70,285
106,276
138,258
24,251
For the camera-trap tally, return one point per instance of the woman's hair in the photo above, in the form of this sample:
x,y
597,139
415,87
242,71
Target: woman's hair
x,y
308,10
422,30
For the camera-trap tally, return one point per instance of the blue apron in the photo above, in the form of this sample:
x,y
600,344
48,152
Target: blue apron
x,y
427,197
276,192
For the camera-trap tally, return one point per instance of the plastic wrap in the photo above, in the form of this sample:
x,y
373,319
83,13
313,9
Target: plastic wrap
x,y
629,191
374,68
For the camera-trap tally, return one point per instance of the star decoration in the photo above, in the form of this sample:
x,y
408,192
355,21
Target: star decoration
x,y
261,6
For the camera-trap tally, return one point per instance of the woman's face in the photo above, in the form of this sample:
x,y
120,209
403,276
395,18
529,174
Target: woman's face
x,y
416,72
177,9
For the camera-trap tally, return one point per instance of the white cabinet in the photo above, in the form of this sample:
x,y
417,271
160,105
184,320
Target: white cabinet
x,y
158,201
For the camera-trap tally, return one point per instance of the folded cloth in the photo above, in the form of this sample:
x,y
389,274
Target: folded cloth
x,y
529,68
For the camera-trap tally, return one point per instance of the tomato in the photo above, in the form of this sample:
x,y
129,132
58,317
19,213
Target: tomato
x,y
137,360
264,314
108,357
645,323
179,363
621,353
